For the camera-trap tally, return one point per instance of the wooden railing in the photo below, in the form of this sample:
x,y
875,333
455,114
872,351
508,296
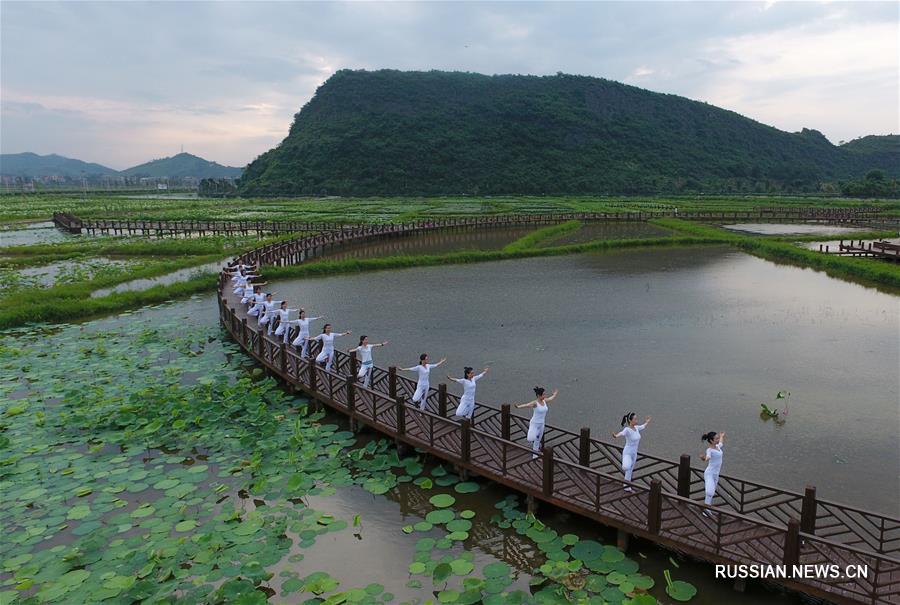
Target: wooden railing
x,y
756,523
176,227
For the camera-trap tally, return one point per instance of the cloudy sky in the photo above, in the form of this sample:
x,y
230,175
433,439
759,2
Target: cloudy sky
x,y
122,83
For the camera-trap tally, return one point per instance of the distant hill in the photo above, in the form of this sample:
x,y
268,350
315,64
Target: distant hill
x,y
33,165
183,165
391,132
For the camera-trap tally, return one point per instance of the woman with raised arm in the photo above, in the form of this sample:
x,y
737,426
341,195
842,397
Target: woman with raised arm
x,y
302,339
466,407
267,312
326,355
423,369
713,458
281,318
631,430
364,354
538,417
257,302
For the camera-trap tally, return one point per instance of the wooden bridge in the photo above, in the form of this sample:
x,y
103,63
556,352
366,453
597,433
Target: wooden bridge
x,y
752,522
883,250
73,224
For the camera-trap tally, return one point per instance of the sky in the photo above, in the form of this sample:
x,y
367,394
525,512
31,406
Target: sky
x,y
120,83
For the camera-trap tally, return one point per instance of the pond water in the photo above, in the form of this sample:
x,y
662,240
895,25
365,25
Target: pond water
x,y
33,233
611,230
162,280
835,243
698,338
443,241
52,273
794,229
121,502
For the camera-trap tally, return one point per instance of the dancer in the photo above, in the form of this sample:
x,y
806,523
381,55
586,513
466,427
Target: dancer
x,y
326,355
364,353
538,417
257,302
466,408
713,457
424,371
281,318
302,339
267,311
631,430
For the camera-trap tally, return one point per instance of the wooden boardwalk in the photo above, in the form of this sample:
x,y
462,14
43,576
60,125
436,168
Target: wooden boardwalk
x,y
73,224
752,522
882,250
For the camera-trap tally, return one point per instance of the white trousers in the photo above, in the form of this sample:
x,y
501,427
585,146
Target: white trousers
x,y
466,409
325,358
421,395
535,434
711,481
629,458
301,342
365,373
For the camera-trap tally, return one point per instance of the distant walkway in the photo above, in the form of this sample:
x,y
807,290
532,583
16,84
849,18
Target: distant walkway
x,y
852,216
752,522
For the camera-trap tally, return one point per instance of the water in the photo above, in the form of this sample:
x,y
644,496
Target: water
x,y
794,229
33,233
697,338
611,230
835,243
433,242
162,280
51,273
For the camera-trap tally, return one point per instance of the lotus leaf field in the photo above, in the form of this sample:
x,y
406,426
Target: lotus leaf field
x,y
143,461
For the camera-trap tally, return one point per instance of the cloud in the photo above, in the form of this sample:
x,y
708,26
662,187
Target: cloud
x,y
123,82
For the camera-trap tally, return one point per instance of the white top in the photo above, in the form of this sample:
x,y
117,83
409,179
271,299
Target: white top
x,y
424,371
364,354
539,414
304,325
714,454
327,342
632,436
283,314
468,395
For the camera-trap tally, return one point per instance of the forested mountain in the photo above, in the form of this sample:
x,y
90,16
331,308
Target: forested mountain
x,y
34,165
391,132
183,165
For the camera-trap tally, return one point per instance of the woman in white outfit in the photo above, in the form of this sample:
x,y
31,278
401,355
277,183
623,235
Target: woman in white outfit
x,y
326,355
713,458
281,316
364,354
267,312
257,301
424,368
538,417
631,430
466,407
302,339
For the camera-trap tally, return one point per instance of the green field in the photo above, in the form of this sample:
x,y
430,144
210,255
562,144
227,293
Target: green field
x,y
54,280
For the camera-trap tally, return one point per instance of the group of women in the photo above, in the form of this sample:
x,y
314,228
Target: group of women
x,y
277,317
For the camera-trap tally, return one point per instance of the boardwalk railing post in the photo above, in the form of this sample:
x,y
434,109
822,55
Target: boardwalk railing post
x,y
260,335
283,353
684,476
808,511
312,376
351,395
401,415
792,543
354,365
584,447
504,421
465,436
654,507
547,452
442,400
392,382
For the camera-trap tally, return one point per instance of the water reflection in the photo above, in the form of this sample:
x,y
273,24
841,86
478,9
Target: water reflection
x,y
793,229
433,242
611,230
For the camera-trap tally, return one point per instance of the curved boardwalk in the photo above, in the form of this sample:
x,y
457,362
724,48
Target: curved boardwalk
x,y
753,522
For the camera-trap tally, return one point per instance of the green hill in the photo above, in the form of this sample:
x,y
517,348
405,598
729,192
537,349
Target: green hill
x,y
34,165
183,165
391,132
